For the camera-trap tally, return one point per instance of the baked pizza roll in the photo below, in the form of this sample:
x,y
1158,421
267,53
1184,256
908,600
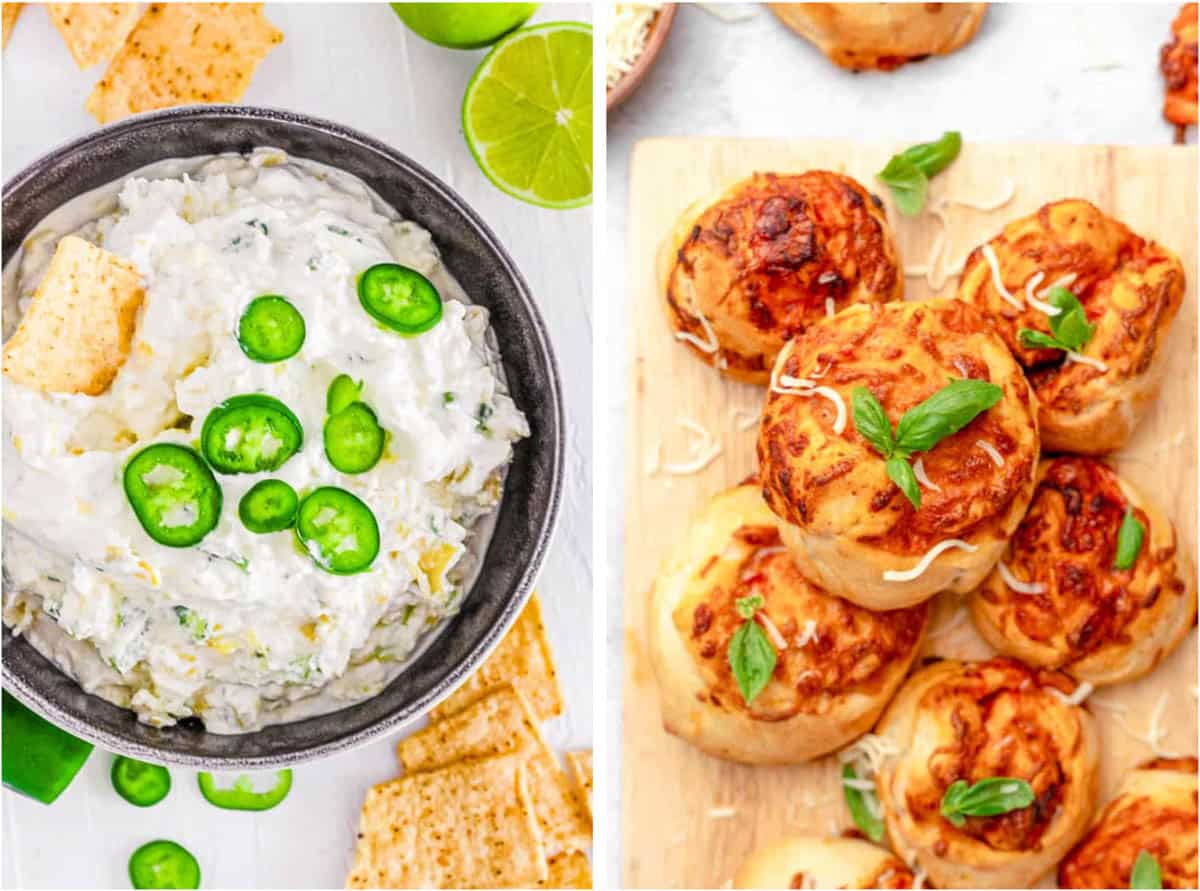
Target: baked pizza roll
x,y
1066,596
962,723
1177,61
1154,811
803,861
751,267
882,36
850,528
1090,398
835,665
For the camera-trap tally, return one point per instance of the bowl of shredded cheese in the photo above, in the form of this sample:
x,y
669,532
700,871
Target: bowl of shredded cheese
x,y
635,36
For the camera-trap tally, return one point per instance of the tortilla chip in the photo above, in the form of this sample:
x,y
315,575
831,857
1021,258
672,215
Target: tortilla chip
x,y
11,12
181,53
93,31
75,336
466,826
522,659
581,770
570,870
501,723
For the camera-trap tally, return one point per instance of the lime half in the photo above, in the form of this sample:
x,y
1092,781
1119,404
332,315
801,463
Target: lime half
x,y
527,115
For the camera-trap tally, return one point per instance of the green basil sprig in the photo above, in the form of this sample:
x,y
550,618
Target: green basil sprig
x,y
751,655
1070,328
1146,872
921,427
987,798
864,807
907,174
1129,541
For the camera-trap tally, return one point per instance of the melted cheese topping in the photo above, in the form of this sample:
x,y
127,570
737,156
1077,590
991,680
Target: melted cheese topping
x,y
908,575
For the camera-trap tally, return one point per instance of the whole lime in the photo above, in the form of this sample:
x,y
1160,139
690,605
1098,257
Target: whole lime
x,y
464,25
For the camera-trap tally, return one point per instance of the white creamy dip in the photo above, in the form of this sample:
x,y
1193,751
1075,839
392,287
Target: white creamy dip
x,y
244,630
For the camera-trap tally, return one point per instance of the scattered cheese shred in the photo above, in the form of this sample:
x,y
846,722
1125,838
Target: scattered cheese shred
x,y
807,634
989,254
1031,295
777,639
830,308
923,477
1073,356
1010,192
1077,697
1016,584
908,575
991,450
722,813
710,344
703,450
744,420
627,36
868,753
1063,282
786,385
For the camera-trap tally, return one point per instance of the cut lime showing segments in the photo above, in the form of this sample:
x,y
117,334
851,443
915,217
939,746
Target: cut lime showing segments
x,y
464,25
527,115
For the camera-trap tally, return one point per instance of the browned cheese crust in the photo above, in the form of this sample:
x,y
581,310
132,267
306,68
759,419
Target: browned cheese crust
x,y
1154,810
1101,624
760,261
1130,289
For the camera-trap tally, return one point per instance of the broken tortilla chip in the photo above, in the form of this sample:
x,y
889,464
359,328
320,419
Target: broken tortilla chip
x,y
570,870
75,336
11,12
93,31
470,825
182,53
581,770
522,659
499,723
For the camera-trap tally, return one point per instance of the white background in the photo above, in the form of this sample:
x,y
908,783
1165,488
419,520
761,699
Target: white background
x,y
355,64
1034,73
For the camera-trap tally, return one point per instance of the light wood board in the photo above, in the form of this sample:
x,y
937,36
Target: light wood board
x,y
690,819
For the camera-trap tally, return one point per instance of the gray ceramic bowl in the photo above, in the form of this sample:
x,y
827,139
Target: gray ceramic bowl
x,y
526,517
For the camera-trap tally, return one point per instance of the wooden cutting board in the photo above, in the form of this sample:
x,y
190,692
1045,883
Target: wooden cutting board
x,y
690,819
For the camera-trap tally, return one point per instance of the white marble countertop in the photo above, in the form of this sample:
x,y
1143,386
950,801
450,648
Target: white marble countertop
x,y
1046,72
355,64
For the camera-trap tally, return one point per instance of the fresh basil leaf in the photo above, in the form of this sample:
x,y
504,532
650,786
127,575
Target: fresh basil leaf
x,y
1070,326
871,421
864,807
1036,340
752,659
944,413
931,158
909,186
987,798
901,473
748,606
1146,872
1129,541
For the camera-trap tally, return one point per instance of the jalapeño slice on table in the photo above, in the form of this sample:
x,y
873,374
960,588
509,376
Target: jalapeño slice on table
x,y
173,494
253,433
269,506
241,796
354,441
271,329
39,760
337,530
399,298
139,783
163,864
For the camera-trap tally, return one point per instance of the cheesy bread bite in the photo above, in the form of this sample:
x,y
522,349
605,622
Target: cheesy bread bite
x,y
849,527
803,861
1091,397
747,269
971,722
1058,598
1154,810
835,665
1177,61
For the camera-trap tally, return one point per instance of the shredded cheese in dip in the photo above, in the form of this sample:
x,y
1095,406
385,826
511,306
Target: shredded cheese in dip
x,y
907,575
626,39
242,630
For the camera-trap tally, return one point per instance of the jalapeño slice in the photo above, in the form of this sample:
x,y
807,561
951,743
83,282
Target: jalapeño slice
x,y
399,298
241,795
163,864
173,494
271,329
269,506
337,530
139,783
354,440
343,392
253,433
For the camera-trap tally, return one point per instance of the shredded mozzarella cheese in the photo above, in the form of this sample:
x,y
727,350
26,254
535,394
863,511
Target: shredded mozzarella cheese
x,y
787,385
627,36
1033,300
989,254
711,344
779,641
1073,356
1016,584
868,753
1063,282
702,451
1010,191
1082,692
830,308
743,420
991,450
923,477
860,785
807,634
908,575
722,813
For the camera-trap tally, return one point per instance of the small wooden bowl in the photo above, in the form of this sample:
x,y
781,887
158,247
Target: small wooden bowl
x,y
659,28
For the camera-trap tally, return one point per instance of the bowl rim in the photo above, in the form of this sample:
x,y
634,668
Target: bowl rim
x,y
660,29
543,535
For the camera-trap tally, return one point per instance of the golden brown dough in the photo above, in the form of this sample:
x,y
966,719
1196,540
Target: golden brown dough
x,y
1130,289
1154,810
1100,624
802,861
1177,61
845,521
971,721
840,666
882,36
768,256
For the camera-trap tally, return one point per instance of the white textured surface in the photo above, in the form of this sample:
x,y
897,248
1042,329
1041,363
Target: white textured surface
x,y
355,64
1047,73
